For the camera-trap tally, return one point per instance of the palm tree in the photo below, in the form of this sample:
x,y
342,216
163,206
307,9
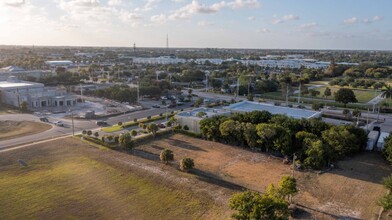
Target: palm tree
x,y
387,92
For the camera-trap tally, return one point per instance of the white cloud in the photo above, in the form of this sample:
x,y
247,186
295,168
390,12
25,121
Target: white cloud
x,y
204,23
160,19
195,7
15,3
115,2
352,20
150,4
377,18
178,1
263,30
308,25
244,4
285,18
252,18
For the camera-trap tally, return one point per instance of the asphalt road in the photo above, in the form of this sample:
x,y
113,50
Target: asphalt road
x,y
80,125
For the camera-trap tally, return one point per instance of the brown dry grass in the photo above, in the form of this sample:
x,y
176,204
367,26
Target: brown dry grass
x,y
15,129
350,191
67,179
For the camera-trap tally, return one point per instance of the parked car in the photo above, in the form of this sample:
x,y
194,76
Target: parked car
x,y
301,106
44,119
161,125
101,123
156,106
59,123
163,97
332,107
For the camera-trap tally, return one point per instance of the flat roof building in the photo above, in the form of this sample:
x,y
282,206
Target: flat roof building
x,y
247,106
14,92
192,118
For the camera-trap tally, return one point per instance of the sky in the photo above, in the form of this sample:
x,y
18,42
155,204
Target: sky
x,y
261,24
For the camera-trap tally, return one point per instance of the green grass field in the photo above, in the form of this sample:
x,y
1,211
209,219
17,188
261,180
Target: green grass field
x,y
77,181
363,96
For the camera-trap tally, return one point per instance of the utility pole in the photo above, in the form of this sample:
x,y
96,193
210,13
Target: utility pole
x,y
294,158
367,120
138,87
73,124
238,88
81,92
300,87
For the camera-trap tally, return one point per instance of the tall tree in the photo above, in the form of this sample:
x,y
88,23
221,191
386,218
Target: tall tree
x,y
327,92
345,95
387,92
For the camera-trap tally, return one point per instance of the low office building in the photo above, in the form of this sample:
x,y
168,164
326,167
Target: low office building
x,y
21,73
14,92
192,118
247,106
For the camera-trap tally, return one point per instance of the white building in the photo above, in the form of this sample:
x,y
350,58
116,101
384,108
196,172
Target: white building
x,y
158,60
59,63
192,118
18,72
14,92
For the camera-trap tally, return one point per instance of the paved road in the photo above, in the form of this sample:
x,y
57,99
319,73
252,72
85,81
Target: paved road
x,y
80,125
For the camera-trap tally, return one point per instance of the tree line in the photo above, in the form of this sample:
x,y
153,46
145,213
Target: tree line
x,y
314,142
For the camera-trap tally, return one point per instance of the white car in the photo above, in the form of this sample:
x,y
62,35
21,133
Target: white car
x,y
59,123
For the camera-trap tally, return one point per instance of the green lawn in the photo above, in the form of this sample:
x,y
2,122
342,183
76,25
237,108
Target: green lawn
x,y
117,127
77,183
363,96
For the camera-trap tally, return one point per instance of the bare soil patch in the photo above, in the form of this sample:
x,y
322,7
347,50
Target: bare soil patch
x,y
350,191
15,129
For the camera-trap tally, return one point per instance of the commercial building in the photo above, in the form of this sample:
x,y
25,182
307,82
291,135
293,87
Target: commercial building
x,y
21,73
247,106
192,118
14,92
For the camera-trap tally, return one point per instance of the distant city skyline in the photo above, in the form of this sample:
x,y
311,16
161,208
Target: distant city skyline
x,y
259,24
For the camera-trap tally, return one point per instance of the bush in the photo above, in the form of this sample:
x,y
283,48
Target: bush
x,y
89,132
125,140
116,139
84,132
161,114
135,120
149,117
110,138
169,124
96,134
134,132
186,164
120,123
186,128
103,138
166,155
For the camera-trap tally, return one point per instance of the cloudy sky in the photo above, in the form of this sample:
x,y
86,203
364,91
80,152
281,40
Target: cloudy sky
x,y
307,24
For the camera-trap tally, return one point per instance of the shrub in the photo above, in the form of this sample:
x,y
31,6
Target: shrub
x,y
89,132
186,128
186,164
149,117
161,114
134,132
166,155
119,123
96,134
103,138
116,139
169,124
125,140
84,132
135,120
110,138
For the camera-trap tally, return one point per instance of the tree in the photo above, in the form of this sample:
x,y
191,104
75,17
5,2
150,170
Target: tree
x,y
345,96
288,186
357,113
386,200
133,132
274,137
387,92
89,132
327,92
250,97
346,112
152,128
387,151
125,140
252,205
166,155
24,106
96,134
314,93
198,102
186,164
316,154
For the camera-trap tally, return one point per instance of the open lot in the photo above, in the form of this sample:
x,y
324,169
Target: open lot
x,y
6,109
349,191
14,129
362,95
68,179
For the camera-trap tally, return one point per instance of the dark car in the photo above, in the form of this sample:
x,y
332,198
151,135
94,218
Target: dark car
x,y
161,125
44,119
156,106
101,123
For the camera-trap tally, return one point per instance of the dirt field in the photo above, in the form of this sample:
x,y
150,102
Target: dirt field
x,y
68,179
14,129
350,191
